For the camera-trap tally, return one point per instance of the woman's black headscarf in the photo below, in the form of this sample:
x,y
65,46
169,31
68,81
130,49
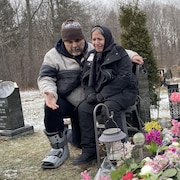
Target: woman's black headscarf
x,y
100,56
109,40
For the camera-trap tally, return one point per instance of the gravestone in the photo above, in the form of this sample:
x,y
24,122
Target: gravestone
x,y
145,101
11,115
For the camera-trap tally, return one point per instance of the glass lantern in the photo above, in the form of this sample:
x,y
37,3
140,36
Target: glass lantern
x,y
111,137
114,147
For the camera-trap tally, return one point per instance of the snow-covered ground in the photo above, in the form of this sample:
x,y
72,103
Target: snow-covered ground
x,y
33,103
33,109
32,106
163,111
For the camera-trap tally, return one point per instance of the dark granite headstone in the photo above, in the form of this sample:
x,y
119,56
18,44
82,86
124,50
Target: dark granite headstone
x,y
11,115
144,96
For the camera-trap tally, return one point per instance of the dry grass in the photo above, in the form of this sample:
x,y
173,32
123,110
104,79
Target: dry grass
x,y
21,159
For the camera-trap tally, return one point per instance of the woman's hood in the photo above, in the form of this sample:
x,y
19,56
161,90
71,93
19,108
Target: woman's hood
x,y
109,40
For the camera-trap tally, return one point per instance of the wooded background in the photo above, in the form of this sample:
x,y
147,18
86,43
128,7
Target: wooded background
x,y
29,28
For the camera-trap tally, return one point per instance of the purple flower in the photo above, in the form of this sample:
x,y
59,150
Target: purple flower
x,y
153,136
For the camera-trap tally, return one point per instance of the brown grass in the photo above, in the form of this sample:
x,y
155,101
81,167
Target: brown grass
x,y
20,158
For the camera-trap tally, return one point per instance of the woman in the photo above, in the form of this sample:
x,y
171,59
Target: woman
x,y
108,78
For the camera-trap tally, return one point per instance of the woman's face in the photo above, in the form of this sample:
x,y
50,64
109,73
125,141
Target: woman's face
x,y
98,41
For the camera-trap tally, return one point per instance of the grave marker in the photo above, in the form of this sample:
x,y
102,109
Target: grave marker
x,y
11,115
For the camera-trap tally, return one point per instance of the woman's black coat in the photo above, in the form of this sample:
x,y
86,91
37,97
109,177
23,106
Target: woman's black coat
x,y
109,76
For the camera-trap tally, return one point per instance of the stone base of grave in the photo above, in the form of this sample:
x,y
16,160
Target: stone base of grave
x,y
26,130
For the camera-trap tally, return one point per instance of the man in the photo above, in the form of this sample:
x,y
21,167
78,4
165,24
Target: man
x,y
60,81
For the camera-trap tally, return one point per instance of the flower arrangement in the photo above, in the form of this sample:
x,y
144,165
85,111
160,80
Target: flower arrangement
x,y
158,163
162,167
159,166
153,136
175,97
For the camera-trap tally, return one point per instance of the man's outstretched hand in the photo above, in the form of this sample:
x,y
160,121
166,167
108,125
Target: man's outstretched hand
x,y
50,100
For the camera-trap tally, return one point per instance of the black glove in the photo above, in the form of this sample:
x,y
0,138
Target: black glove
x,y
91,98
99,97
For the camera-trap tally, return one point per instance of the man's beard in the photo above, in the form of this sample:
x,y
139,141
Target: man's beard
x,y
76,51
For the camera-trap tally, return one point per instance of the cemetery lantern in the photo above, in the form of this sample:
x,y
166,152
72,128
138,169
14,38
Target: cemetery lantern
x,y
112,138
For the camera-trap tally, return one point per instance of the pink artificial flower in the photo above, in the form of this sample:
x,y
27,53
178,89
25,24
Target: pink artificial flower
x,y
175,122
172,149
175,97
172,153
158,163
85,176
175,129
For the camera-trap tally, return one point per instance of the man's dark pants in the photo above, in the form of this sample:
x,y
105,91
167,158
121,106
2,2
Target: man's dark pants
x,y
53,119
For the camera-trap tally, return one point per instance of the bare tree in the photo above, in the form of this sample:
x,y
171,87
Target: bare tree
x,y
113,23
30,71
163,24
6,39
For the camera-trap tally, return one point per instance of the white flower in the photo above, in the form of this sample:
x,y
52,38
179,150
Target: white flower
x,y
147,159
146,170
176,144
166,131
